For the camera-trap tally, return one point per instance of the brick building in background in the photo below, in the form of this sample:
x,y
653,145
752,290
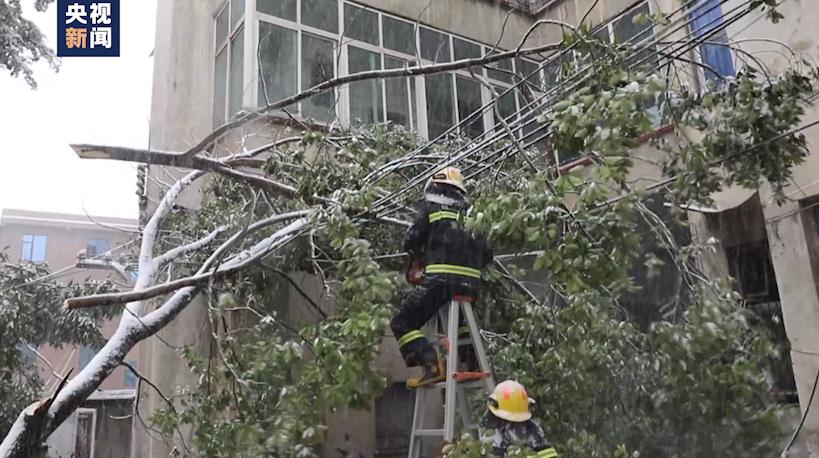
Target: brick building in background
x,y
78,248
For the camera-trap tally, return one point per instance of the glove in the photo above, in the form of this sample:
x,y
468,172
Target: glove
x,y
415,271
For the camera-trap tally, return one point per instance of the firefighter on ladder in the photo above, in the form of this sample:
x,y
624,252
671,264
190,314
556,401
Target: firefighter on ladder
x,y
453,260
508,422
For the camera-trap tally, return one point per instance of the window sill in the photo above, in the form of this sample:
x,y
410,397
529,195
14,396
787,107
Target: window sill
x,y
645,138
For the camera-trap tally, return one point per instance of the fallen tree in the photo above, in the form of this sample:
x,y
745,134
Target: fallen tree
x,y
333,204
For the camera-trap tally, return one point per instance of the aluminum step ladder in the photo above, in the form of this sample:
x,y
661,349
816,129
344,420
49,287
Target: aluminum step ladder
x,y
456,383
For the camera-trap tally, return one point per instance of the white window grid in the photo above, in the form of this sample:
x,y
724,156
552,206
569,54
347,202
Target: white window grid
x,y
418,109
234,29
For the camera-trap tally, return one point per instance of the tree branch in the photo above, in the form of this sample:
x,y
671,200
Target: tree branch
x,y
174,253
361,76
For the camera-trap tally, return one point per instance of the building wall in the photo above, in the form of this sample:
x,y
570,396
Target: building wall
x,y
182,114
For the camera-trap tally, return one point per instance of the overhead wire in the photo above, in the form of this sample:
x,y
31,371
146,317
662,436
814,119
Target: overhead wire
x,y
713,27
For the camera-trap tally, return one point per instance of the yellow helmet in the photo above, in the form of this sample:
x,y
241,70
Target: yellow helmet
x,y
449,175
510,402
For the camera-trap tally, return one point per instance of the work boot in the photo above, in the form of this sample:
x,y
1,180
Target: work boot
x,y
434,371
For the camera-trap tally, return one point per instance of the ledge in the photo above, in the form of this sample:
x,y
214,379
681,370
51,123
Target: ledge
x,y
659,132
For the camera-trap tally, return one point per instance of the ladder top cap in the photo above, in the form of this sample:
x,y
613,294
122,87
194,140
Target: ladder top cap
x,y
462,298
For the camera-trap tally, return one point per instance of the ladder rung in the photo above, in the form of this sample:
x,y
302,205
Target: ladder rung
x,y
466,376
468,383
428,432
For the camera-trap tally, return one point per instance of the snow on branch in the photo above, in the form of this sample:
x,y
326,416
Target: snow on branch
x,y
174,253
205,274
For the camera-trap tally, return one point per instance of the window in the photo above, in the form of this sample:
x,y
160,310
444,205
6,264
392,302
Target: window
x,y
228,78
504,72
399,36
627,29
400,96
278,70
130,379
220,87
96,247
506,107
465,49
469,100
86,425
86,355
706,16
285,9
316,68
34,248
361,24
302,43
236,69
321,14
366,103
440,109
434,46
750,265
528,70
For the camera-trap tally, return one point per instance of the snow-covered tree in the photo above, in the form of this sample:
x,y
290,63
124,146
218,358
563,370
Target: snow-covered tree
x,y
31,315
21,41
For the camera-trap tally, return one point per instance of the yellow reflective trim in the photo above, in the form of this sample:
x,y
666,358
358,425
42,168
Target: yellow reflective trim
x,y
409,337
443,214
547,453
452,269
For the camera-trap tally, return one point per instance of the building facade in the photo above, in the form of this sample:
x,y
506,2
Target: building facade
x,y
215,58
79,248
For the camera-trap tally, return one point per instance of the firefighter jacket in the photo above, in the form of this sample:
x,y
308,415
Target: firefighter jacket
x,y
450,250
504,434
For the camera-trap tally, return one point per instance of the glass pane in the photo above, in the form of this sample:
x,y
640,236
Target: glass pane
x,y
129,379
553,69
506,106
505,75
465,49
280,8
366,105
399,35
434,46
237,9
278,63
625,29
469,101
220,88
398,108
321,14
360,24
529,70
38,253
236,71
222,27
440,109
317,67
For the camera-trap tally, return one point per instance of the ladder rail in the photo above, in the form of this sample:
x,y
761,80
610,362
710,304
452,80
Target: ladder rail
x,y
455,398
451,367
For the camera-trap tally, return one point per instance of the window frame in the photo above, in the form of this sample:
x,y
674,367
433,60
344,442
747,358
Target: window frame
x,y
32,244
702,76
415,84
233,31
96,244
